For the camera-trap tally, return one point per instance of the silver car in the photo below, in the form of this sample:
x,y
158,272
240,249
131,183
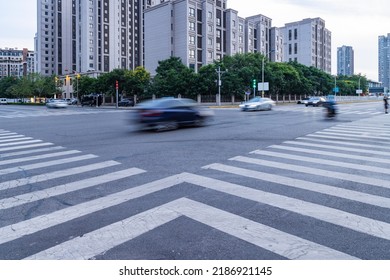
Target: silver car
x,y
56,103
257,104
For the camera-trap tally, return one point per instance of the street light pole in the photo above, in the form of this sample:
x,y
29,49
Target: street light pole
x,y
262,73
219,72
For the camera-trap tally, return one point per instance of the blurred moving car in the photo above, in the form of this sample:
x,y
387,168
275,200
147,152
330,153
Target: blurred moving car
x,y
315,101
125,102
171,113
56,103
90,100
303,100
71,101
257,104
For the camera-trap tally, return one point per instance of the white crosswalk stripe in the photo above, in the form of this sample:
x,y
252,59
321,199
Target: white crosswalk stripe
x,y
352,155
52,112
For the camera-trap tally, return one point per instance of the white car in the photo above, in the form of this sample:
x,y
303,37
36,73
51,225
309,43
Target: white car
x,y
3,101
257,104
56,103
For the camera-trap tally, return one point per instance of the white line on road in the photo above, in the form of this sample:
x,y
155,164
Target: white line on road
x,y
45,164
67,188
99,241
318,172
38,157
56,174
341,218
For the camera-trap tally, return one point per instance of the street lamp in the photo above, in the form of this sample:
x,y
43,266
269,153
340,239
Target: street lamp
x,y
262,72
219,84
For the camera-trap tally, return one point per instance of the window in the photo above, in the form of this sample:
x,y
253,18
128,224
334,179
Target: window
x,y
192,40
210,55
210,15
191,53
295,34
192,26
191,12
210,41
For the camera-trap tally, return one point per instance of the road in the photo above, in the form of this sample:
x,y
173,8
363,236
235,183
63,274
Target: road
x,y
82,183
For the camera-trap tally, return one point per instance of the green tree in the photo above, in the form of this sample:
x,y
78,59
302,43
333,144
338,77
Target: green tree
x,y
173,78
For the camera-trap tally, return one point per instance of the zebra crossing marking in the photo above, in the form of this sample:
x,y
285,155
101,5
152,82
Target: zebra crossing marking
x,y
45,164
374,169
33,225
66,188
25,146
101,240
56,174
38,157
334,216
32,151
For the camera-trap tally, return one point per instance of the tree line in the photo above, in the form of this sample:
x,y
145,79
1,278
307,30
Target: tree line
x,y
237,75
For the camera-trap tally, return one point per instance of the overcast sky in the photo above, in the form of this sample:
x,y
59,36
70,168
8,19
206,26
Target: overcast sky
x,y
356,23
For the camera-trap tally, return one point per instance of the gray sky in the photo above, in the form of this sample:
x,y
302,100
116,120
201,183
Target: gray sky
x,y
355,23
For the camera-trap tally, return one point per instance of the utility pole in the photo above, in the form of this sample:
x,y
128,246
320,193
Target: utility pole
x,y
219,72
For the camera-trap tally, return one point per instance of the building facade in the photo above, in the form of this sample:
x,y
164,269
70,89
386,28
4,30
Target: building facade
x,y
345,61
203,31
89,35
308,42
384,60
16,63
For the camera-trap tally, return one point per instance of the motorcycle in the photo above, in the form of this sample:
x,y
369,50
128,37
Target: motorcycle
x,y
330,109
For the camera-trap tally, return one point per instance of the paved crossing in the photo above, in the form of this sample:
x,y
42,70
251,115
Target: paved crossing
x,y
325,195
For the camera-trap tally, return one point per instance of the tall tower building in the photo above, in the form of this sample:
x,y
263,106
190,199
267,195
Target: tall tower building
x,y
345,61
384,60
308,42
89,35
194,30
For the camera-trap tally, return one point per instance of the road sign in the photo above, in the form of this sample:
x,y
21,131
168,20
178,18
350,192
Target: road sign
x,y
336,89
263,86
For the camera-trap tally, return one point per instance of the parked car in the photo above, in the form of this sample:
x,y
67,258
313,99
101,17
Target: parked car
x,y
315,101
56,103
303,100
125,102
3,101
257,104
170,113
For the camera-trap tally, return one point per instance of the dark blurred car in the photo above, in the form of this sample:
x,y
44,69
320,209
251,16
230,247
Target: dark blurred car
x,y
315,101
91,100
125,102
71,101
171,113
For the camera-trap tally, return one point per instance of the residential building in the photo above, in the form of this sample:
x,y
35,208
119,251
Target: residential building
x,y
89,35
345,61
308,42
16,63
384,60
193,30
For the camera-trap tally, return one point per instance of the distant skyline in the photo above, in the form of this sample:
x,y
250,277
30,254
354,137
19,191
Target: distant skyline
x,y
353,23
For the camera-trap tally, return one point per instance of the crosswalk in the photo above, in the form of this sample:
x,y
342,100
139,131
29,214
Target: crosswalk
x,y
45,112
325,195
343,110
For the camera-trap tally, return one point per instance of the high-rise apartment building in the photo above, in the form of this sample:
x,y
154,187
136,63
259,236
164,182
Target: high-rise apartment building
x,y
200,32
194,30
345,61
16,63
384,60
308,42
89,35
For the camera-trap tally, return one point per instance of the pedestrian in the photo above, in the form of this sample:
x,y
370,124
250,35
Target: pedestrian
x,y
386,103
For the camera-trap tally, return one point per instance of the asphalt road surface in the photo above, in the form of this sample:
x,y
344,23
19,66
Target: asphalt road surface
x,y
83,183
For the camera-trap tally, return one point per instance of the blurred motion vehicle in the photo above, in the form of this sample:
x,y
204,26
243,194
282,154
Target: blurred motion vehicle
x,y
3,101
303,100
171,113
56,103
71,101
125,102
91,100
257,104
315,101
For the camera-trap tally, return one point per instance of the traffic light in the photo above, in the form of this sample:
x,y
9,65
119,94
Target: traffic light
x,y
254,83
